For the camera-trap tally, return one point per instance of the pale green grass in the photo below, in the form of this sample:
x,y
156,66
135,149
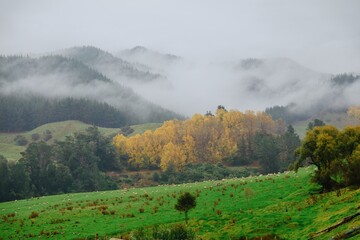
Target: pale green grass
x,y
10,151
300,128
138,129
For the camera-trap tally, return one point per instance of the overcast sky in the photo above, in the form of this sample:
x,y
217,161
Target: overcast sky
x,y
323,35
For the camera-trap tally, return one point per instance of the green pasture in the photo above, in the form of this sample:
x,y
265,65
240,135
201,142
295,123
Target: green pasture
x,y
279,204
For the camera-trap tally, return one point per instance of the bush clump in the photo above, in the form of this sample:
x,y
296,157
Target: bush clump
x,y
174,232
20,140
35,136
34,215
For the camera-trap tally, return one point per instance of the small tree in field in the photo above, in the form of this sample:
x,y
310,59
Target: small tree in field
x,y
185,202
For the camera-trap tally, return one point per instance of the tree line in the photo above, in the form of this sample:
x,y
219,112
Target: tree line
x,y
228,137
76,164
192,150
28,112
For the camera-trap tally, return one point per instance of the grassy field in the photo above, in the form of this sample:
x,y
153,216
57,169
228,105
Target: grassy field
x,y
59,131
279,204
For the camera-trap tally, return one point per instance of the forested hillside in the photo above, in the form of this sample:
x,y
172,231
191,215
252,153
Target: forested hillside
x,y
114,67
34,91
16,68
28,112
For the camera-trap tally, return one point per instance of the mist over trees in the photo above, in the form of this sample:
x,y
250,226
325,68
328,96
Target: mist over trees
x,y
34,91
176,83
115,68
281,112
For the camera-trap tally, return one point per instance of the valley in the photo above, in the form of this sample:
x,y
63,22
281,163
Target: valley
x,y
179,120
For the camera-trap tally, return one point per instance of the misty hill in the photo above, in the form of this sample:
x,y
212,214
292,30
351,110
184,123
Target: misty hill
x,y
244,84
35,85
115,68
282,81
148,57
271,77
15,68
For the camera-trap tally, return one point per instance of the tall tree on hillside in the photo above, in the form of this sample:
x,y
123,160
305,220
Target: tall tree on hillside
x,y
267,151
36,159
173,155
103,149
288,143
20,181
4,179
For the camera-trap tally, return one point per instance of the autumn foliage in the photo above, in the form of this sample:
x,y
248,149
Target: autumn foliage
x,y
226,137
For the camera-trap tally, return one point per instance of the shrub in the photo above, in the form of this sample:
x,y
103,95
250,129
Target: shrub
x,y
126,131
35,136
47,135
175,232
34,215
20,140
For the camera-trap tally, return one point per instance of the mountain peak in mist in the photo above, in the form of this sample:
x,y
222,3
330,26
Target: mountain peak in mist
x,y
86,53
144,50
272,65
19,68
138,49
114,67
142,55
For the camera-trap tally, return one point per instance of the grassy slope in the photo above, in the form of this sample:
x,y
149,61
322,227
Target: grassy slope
x,y
138,129
339,120
59,131
281,204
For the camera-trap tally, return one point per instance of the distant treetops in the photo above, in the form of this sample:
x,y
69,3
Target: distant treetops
x,y
230,137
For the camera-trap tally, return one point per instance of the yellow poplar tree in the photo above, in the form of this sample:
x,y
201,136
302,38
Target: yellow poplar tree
x,y
172,154
119,142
